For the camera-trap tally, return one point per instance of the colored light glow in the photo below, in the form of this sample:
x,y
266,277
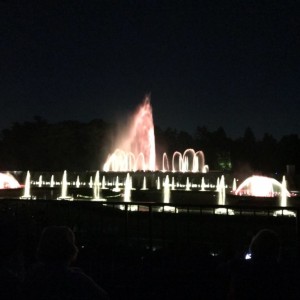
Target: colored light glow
x,y
7,181
135,149
261,186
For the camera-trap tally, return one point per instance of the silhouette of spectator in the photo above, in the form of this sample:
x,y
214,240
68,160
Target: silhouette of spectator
x,y
10,266
53,278
265,246
261,276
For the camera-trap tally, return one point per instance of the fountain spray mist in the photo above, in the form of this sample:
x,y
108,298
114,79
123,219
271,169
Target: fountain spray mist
x,y
135,150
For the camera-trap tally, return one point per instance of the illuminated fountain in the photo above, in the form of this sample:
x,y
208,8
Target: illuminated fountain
x,y
77,182
202,184
52,182
7,181
40,182
234,186
97,188
135,150
127,194
166,192
127,188
261,186
117,185
189,161
26,194
167,196
187,185
173,184
64,188
158,183
221,188
144,184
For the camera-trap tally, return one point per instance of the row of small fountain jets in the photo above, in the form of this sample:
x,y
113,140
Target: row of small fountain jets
x,y
166,186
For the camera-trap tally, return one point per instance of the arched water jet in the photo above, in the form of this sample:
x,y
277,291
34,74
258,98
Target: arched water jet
x,y
200,162
165,163
7,181
179,162
140,163
260,186
188,160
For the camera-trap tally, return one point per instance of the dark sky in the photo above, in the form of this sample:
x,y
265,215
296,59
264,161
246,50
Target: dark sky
x,y
206,63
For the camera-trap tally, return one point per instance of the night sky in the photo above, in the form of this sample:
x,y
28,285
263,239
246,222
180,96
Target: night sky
x,y
210,63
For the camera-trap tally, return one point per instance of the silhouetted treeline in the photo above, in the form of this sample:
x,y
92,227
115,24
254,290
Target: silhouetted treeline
x,y
73,145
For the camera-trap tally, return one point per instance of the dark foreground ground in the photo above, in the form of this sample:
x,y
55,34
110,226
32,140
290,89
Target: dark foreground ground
x,y
147,253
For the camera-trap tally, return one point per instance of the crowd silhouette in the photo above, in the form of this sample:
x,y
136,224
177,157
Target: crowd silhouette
x,y
259,272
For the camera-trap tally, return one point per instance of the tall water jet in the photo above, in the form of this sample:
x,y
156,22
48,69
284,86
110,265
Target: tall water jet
x,y
52,181
173,184
222,198
166,194
283,201
64,188
117,187
91,182
144,187
77,182
218,184
202,184
127,188
234,185
283,193
158,183
26,194
137,145
187,184
103,183
40,182
97,188
221,191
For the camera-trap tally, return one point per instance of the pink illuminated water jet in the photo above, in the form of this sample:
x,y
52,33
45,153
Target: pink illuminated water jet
x,y
135,150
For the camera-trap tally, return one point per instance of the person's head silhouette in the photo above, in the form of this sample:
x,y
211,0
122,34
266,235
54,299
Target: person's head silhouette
x,y
57,245
265,245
